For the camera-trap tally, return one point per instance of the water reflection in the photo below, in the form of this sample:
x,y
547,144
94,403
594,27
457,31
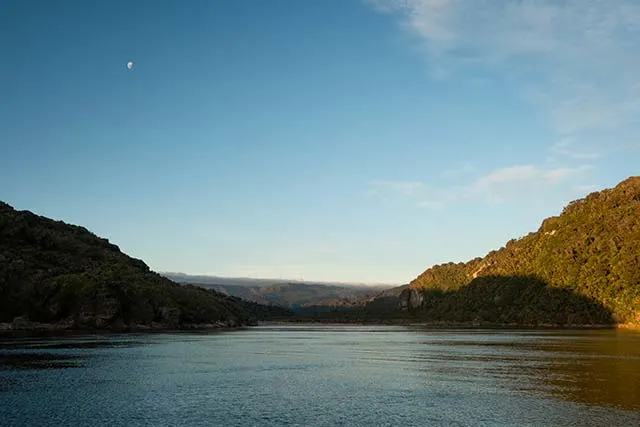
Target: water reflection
x,y
56,353
602,369
22,360
595,368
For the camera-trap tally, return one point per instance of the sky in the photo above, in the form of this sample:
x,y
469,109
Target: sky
x,y
336,140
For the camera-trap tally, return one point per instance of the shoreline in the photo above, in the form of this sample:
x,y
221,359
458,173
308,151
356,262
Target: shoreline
x,y
629,326
443,325
52,329
64,328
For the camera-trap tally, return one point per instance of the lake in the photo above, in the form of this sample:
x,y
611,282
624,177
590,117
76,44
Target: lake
x,y
324,376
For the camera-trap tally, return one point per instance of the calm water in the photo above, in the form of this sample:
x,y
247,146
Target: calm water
x,y
324,376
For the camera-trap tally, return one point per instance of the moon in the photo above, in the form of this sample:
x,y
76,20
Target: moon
x,y
130,65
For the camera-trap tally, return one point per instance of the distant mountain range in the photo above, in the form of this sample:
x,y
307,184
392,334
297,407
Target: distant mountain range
x,y
250,281
291,294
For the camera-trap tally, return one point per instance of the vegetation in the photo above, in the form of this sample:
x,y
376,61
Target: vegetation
x,y
581,267
54,272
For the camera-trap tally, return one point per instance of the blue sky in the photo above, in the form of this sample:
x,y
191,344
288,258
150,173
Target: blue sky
x,y
336,140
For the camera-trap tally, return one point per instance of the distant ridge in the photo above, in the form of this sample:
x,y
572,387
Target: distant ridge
x,y
251,281
291,294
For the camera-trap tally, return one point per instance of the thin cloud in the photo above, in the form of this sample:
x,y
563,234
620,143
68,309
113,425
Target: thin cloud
x,y
509,175
511,182
568,147
577,60
496,186
562,174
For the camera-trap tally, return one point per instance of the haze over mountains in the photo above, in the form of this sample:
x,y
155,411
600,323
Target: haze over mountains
x,y
290,293
251,281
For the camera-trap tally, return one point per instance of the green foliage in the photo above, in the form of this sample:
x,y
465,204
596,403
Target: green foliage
x,y
591,250
51,271
519,300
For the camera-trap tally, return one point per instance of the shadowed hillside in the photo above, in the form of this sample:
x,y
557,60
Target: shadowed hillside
x,y
581,265
485,301
55,272
518,300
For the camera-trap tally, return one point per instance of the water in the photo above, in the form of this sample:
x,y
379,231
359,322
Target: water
x,y
324,376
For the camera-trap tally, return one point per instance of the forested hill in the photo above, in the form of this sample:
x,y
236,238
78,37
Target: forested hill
x,y
55,272
582,266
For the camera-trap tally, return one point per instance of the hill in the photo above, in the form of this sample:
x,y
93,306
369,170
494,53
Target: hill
x,y
581,267
53,272
294,295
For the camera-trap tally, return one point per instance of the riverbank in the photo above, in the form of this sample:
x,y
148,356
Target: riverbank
x,y
24,327
629,326
435,325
